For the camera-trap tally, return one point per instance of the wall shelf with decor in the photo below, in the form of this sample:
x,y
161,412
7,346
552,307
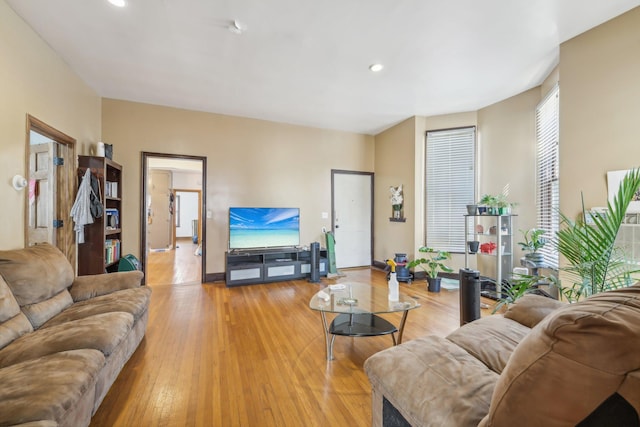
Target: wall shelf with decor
x,y
397,219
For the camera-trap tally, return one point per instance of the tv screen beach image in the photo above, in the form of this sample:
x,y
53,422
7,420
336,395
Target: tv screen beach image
x,y
263,227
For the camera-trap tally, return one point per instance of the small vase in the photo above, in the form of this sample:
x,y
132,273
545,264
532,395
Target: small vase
x,y
397,214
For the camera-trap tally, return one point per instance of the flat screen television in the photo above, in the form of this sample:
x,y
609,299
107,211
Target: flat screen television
x,y
263,227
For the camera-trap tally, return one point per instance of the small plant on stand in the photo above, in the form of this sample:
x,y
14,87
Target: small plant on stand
x,y
533,241
432,264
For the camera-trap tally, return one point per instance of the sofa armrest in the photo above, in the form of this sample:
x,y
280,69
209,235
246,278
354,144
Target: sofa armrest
x,y
86,287
531,309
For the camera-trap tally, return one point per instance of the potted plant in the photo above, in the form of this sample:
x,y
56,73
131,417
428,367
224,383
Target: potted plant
x,y
486,204
524,284
432,264
596,264
534,240
496,205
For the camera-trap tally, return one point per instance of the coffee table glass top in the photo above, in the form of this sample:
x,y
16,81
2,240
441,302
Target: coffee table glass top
x,y
359,298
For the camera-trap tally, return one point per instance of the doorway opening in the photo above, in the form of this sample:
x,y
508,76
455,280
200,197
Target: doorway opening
x,y
172,232
51,190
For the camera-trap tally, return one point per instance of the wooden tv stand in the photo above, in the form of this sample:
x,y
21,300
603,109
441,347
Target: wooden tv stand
x,y
246,267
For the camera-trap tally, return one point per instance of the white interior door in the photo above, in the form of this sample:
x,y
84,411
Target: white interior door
x,y
352,202
159,216
42,194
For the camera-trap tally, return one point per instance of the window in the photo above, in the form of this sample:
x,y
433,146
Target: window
x,y
547,171
450,186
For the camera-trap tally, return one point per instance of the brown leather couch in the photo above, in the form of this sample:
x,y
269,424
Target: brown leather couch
x,y
542,363
63,339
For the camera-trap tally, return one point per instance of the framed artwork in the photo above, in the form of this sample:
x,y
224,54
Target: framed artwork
x,y
613,183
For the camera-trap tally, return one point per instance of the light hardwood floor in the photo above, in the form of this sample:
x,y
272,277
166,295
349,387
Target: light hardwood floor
x,y
176,266
254,356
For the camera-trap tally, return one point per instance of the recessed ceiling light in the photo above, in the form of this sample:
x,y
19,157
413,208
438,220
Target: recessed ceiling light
x,y
376,67
119,3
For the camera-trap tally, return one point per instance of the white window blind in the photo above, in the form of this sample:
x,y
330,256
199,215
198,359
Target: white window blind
x,y
547,171
450,186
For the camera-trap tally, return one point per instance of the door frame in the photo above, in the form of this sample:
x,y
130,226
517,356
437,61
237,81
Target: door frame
x,y
334,172
144,164
65,186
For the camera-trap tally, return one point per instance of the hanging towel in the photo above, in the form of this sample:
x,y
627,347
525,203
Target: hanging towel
x,y
81,209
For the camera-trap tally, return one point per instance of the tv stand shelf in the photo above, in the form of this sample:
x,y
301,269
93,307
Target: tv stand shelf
x,y
246,267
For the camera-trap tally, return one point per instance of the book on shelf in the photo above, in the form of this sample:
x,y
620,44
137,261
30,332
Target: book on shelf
x,y
111,251
111,189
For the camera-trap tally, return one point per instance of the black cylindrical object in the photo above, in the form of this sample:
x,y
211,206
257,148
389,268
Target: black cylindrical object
x,y
315,262
469,295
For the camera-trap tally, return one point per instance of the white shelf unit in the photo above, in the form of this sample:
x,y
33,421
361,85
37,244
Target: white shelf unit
x,y
499,230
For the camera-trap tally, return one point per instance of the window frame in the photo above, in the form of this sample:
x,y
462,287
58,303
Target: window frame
x,y
449,217
548,173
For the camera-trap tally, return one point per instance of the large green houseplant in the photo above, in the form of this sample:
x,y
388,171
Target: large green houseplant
x,y
432,264
596,264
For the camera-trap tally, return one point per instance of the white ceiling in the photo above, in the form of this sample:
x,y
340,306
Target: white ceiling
x,y
306,62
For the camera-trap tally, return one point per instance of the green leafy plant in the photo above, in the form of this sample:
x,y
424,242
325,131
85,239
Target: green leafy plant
x,y
432,263
595,263
521,285
533,240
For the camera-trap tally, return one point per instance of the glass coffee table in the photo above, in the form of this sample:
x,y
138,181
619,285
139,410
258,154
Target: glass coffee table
x,y
358,306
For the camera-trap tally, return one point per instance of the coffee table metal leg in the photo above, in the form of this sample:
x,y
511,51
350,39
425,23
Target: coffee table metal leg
x,y
328,341
401,328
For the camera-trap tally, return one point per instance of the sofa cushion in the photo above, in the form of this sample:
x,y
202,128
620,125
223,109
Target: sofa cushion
x,y
14,328
42,311
86,287
581,353
8,305
35,273
431,378
103,332
531,309
133,301
48,387
490,339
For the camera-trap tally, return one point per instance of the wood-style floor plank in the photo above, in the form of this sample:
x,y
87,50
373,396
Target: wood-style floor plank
x,y
255,356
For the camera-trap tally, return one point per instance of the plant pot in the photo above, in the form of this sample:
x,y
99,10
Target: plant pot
x,y
534,257
471,209
433,284
482,210
473,246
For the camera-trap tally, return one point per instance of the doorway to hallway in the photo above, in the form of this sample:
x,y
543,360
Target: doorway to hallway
x,y
173,234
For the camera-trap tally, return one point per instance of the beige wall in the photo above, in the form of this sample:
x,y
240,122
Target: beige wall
x,y
249,163
599,109
394,165
34,80
507,154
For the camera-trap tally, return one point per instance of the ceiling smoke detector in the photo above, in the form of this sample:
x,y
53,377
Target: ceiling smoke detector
x,y
376,67
237,27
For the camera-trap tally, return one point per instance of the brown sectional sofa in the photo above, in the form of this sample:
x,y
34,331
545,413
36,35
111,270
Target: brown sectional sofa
x,y
63,340
542,363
